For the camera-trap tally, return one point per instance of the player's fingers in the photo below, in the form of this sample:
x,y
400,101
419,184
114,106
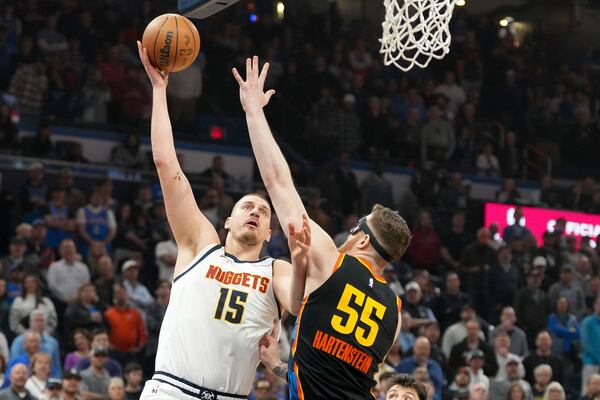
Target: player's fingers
x,y
302,245
248,68
255,68
263,74
237,76
291,230
269,94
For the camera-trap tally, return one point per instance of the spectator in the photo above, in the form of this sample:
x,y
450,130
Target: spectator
x,y
406,339
82,342
567,288
437,137
531,304
32,195
217,169
590,343
502,281
500,387
129,154
457,332
19,374
116,389
127,331
40,372
511,157
29,84
16,259
184,90
375,189
475,360
95,379
209,205
501,345
96,98
429,290
550,195
592,387
262,389
455,94
508,194
9,139
96,222
476,259
421,353
100,339
138,294
41,254
71,380
420,314
549,258
66,275
518,338
84,312
105,281
555,391
543,355
517,229
459,388
345,177
31,345
473,341
542,375
564,329
487,163
96,251
225,201
455,241
54,388
425,247
31,299
572,255
134,377
49,40
432,333
48,344
316,213
155,314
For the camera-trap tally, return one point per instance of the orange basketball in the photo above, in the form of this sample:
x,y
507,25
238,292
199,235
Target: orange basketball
x,y
172,42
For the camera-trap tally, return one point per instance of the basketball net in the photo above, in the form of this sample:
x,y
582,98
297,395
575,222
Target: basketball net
x,y
415,32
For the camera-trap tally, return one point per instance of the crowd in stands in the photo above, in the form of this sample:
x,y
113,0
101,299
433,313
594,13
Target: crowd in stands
x,y
85,275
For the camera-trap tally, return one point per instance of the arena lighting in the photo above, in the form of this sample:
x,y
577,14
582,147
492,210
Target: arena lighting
x,y
253,18
280,10
504,22
461,3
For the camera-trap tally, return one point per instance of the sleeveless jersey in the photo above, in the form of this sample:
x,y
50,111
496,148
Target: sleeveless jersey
x,y
344,331
220,307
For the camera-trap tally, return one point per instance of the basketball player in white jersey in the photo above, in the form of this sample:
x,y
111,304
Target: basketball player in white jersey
x,y
223,299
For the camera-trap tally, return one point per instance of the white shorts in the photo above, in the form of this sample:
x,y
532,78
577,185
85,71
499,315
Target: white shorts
x,y
155,390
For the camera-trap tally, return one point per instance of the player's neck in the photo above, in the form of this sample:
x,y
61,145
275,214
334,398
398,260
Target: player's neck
x,y
242,251
376,263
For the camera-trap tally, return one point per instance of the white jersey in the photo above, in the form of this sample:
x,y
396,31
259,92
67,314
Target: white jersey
x,y
220,307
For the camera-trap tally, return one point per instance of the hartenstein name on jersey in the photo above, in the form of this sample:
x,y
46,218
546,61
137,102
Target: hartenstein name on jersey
x,y
256,282
342,350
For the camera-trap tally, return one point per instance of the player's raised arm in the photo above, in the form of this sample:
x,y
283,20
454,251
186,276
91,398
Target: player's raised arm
x,y
191,230
274,169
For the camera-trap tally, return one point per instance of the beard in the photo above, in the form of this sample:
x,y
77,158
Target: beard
x,y
248,238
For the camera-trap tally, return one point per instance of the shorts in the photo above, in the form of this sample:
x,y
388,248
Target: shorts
x,y
155,390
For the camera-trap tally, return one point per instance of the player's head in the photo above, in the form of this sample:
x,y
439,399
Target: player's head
x,y
383,232
250,220
405,387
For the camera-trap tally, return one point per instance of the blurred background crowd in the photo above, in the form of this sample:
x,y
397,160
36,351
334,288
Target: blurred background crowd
x,y
86,264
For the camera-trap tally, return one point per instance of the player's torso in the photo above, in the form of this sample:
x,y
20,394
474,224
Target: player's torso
x,y
219,309
344,331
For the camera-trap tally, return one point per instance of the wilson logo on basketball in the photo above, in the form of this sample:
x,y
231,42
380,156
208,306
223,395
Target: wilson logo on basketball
x,y
165,51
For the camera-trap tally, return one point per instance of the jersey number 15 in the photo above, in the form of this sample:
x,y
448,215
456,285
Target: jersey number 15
x,y
235,309
351,303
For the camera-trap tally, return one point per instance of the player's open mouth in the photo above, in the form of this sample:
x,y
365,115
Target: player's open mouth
x,y
252,223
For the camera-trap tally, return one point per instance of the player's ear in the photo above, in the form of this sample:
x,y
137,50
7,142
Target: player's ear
x,y
364,242
268,239
227,223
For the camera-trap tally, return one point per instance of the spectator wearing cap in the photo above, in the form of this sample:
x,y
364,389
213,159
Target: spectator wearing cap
x,y
543,355
71,385
134,377
126,326
517,229
475,360
590,343
551,254
500,387
476,259
105,281
457,332
459,388
531,303
40,251
564,329
518,338
66,275
32,195
138,294
19,373
96,223
40,372
95,379
473,341
31,299
501,345
59,221
501,283
54,389
421,356
566,287
542,375
31,344
421,314
100,339
84,312
48,344
17,258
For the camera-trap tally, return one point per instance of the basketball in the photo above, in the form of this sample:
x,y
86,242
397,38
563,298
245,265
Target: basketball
x,y
172,42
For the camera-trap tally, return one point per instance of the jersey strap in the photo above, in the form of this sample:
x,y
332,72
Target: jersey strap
x,y
191,389
215,247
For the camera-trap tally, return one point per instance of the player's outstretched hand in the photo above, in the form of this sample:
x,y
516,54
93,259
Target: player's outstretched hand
x,y
252,95
269,351
299,243
157,78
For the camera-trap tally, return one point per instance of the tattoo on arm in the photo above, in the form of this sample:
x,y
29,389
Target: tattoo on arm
x,y
280,371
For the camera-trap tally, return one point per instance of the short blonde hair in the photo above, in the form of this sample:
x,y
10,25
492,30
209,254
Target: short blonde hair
x,y
554,386
391,230
37,357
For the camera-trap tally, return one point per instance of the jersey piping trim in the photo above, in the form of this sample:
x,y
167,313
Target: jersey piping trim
x,y
298,384
171,377
295,344
215,247
399,302
237,260
339,262
279,314
370,268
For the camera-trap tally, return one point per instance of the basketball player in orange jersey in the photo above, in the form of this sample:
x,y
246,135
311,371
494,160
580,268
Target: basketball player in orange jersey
x,y
224,298
349,317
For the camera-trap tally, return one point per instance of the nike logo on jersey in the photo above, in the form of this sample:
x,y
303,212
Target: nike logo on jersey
x,y
256,282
